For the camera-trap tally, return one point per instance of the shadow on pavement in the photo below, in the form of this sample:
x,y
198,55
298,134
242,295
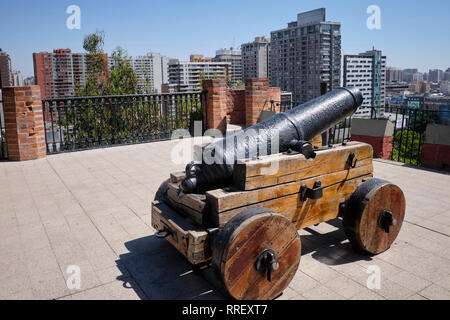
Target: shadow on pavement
x,y
161,272
331,248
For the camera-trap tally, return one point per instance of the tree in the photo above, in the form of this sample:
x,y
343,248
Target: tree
x,y
97,66
122,79
405,146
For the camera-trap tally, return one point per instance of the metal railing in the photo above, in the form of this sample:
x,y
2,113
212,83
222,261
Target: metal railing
x,y
410,129
80,123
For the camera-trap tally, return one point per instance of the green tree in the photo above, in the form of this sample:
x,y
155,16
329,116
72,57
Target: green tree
x,y
405,146
122,78
97,66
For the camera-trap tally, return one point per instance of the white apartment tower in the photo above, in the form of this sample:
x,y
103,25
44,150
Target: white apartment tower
x,y
235,58
186,76
255,58
367,71
151,71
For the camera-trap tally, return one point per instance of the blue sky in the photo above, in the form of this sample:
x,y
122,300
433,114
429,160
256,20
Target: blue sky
x,y
413,33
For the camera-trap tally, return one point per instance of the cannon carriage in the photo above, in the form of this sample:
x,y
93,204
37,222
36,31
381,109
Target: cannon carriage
x,y
241,216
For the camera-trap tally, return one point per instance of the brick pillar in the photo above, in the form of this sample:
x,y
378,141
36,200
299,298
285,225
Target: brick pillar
x,y
377,133
216,103
24,123
256,93
436,149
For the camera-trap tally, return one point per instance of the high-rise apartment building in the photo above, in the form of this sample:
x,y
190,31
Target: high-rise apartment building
x,y
17,78
187,76
255,58
58,73
234,57
367,71
151,71
435,75
5,69
305,57
408,74
394,75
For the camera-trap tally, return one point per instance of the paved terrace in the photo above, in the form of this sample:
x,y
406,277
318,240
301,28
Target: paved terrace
x,y
92,209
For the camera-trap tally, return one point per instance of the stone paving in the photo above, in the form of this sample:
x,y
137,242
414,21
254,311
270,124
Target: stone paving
x,y
92,209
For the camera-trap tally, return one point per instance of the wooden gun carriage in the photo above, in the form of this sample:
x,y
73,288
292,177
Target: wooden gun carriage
x,y
247,230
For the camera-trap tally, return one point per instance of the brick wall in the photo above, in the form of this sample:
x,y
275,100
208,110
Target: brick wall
x,y
216,103
377,133
242,107
256,94
436,148
236,106
24,123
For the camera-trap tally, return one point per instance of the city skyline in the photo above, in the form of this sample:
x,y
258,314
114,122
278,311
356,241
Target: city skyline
x,y
409,37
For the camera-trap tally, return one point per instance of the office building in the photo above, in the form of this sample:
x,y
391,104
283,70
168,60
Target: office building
x,y
6,79
305,57
234,57
255,58
367,71
59,72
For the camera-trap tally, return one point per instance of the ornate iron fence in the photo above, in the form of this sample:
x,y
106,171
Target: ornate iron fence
x,y
93,122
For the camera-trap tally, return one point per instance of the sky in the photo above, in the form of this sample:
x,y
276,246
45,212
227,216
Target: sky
x,y
413,34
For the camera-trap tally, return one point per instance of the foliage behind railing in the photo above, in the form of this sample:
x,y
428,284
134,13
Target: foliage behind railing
x,y
91,122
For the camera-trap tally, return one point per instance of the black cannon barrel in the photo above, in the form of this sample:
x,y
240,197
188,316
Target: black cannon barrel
x,y
271,136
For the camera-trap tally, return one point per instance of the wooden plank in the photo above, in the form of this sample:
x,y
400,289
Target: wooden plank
x,y
316,141
191,205
303,213
190,241
222,200
276,169
191,200
176,177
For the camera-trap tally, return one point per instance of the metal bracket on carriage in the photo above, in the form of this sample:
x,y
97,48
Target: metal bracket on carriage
x,y
267,263
315,193
351,161
386,220
165,232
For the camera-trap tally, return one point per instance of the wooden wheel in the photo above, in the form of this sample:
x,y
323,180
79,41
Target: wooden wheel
x,y
374,215
257,254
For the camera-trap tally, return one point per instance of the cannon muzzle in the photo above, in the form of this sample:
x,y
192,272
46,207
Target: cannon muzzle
x,y
274,135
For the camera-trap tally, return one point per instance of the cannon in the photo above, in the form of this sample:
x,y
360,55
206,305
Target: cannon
x,y
291,129
237,220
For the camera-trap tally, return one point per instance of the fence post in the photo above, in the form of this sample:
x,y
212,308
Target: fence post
x,y
377,133
25,132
